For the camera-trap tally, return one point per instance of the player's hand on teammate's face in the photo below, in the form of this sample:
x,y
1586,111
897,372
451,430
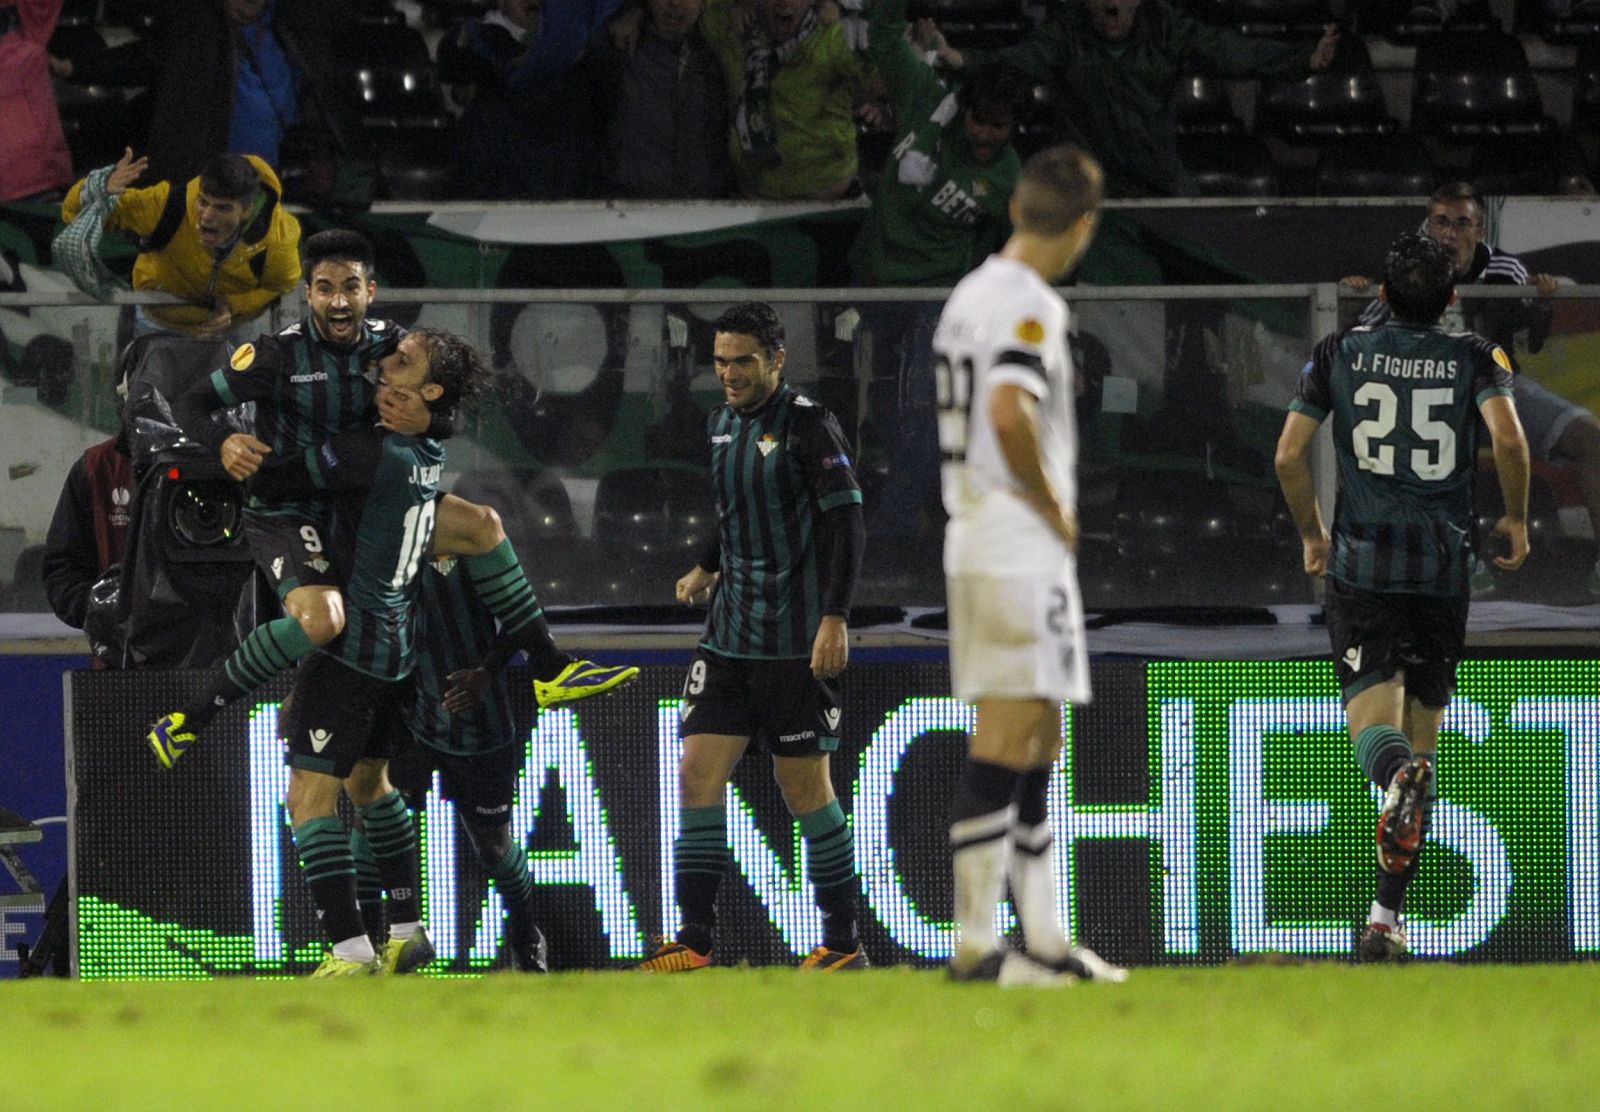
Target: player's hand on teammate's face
x,y
694,589
242,455
1316,555
403,411
830,652
467,686
1516,534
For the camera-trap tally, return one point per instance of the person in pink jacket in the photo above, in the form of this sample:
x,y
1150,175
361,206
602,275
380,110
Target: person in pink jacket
x,y
33,150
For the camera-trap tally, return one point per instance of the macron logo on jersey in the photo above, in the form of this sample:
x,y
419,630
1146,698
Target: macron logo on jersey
x,y
1352,659
320,739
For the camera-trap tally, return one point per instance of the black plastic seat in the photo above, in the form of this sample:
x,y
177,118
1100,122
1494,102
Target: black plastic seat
x,y
1418,21
389,73
416,162
1268,18
1343,102
1201,106
1523,164
1394,165
1229,165
1473,85
654,512
1578,24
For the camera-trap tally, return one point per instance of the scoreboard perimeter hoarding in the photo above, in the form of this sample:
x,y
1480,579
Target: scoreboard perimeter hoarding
x,y
1202,812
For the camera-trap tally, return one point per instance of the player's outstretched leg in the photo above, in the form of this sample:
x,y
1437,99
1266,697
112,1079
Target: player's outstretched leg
x,y
267,650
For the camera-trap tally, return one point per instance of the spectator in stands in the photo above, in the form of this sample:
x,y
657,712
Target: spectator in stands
x,y
234,75
89,533
34,158
1112,68
1558,431
528,131
662,109
940,208
223,242
792,84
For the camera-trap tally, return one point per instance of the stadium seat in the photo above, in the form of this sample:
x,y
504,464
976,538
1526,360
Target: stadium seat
x,y
1519,164
1268,18
1202,106
1586,91
1418,21
1473,85
1578,24
391,76
378,13
415,162
95,120
78,13
1395,165
974,23
650,524
1342,103
536,512
137,14
449,13
1229,165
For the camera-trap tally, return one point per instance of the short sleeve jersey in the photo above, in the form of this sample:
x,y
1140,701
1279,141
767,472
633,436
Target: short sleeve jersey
x,y
1003,324
773,472
1403,399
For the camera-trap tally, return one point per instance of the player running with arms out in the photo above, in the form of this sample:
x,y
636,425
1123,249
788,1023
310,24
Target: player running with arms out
x,y
1009,441
346,706
781,571
310,382
1402,397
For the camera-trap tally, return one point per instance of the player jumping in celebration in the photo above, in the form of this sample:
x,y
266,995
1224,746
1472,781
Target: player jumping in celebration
x,y
310,382
781,571
346,706
1400,560
1009,439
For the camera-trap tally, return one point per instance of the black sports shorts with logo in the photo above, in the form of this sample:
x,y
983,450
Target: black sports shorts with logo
x,y
1377,634
778,704
293,549
336,716
481,785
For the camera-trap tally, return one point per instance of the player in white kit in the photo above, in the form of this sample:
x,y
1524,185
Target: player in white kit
x,y
1017,649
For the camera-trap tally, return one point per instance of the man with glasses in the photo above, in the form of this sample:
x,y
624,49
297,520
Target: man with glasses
x,y
1558,431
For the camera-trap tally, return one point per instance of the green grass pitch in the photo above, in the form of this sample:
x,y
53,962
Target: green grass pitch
x,y
1318,1035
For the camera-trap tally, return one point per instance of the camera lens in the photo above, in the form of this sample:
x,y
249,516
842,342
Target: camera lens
x,y
204,514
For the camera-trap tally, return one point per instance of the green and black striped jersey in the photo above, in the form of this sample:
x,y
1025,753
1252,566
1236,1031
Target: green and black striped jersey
x,y
306,391
773,472
457,632
384,487
1404,401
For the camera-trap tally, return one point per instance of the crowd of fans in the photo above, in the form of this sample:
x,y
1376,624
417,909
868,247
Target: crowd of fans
x,y
688,99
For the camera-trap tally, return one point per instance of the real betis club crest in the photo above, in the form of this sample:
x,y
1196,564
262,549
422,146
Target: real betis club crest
x,y
766,444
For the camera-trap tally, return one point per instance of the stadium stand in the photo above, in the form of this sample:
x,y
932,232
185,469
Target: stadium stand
x,y
1279,19
1472,85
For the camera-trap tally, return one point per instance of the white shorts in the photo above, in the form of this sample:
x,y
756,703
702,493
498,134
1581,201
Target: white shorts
x,y
1016,635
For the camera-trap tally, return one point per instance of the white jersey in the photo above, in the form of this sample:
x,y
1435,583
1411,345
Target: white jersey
x,y
1003,324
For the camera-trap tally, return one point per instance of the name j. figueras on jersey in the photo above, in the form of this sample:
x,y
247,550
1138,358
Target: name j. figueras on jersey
x,y
426,476
1396,367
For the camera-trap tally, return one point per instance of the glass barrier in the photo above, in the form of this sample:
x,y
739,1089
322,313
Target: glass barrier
x,y
593,445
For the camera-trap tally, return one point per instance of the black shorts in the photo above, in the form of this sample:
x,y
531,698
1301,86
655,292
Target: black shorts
x,y
1377,634
778,704
482,786
292,549
336,716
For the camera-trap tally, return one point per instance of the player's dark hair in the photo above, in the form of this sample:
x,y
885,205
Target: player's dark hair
x,y
1419,274
455,365
339,245
754,318
995,92
1457,191
229,177
1058,186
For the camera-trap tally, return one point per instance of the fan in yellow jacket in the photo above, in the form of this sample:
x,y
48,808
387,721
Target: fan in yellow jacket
x,y
224,245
